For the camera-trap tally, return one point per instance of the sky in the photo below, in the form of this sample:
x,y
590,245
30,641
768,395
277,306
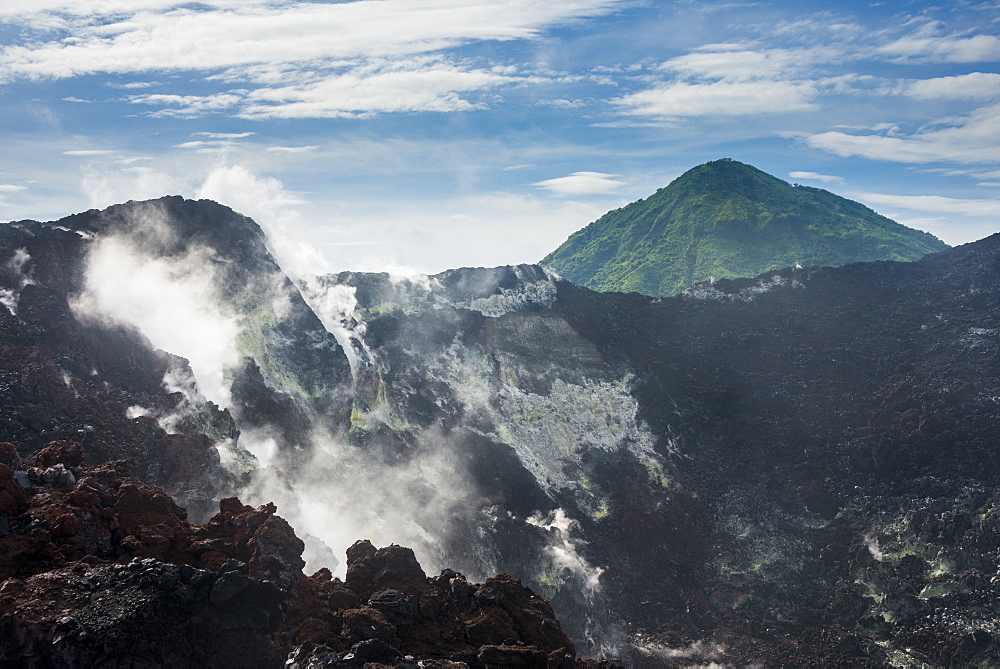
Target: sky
x,y
420,135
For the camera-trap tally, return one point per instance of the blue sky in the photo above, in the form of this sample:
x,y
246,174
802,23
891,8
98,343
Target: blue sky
x,y
418,135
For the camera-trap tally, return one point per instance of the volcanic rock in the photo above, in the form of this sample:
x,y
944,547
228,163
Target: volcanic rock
x,y
106,571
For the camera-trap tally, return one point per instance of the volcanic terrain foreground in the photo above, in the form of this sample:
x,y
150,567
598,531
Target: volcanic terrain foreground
x,y
795,469
106,572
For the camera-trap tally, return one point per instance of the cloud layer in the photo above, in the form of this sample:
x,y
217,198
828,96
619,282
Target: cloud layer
x,y
432,133
285,59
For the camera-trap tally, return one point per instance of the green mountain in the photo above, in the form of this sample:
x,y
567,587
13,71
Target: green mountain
x,y
725,219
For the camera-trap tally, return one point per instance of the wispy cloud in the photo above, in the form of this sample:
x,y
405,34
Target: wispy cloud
x,y
926,45
134,85
187,105
293,149
88,152
813,176
224,135
302,59
582,183
974,138
734,80
424,85
971,86
721,98
200,144
733,63
935,203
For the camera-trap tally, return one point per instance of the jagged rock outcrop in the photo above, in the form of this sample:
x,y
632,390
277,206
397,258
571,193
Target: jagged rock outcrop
x,y
78,362
142,613
387,599
69,382
101,571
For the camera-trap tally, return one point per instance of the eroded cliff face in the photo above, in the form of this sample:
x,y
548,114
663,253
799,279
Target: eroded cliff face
x,y
102,305
795,468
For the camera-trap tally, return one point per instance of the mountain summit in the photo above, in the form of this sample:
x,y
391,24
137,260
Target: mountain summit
x,y
726,219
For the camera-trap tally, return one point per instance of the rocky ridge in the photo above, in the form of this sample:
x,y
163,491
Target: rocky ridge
x,y
792,469
790,443
98,569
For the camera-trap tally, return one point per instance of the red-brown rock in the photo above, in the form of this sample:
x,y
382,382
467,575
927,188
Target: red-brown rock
x,y
67,453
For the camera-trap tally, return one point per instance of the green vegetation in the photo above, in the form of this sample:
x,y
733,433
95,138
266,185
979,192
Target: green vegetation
x,y
724,220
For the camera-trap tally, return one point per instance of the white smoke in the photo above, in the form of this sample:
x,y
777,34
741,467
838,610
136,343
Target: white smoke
x,y
173,301
8,298
563,548
265,200
871,542
334,492
105,184
262,443
181,380
19,265
400,275
572,572
702,652
335,305
342,493
345,493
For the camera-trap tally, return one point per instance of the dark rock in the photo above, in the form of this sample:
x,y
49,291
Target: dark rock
x,y
370,570
85,616
367,623
374,650
67,453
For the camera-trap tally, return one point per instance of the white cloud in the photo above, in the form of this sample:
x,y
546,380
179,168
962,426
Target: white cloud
x,y
187,105
816,177
974,138
922,47
433,235
721,98
134,85
293,149
388,87
953,220
202,144
935,203
734,80
323,53
21,9
733,63
11,188
971,86
88,152
224,135
582,183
